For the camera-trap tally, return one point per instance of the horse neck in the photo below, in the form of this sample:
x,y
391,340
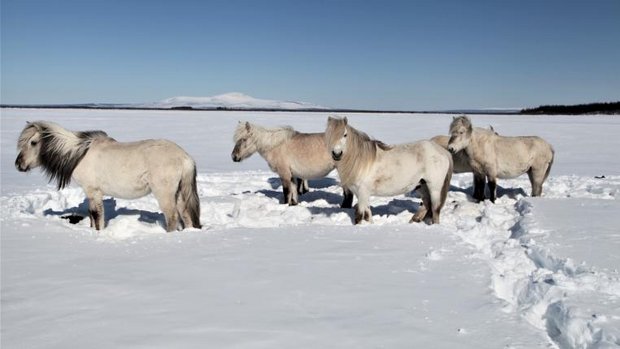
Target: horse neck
x,y
269,139
63,151
475,148
362,153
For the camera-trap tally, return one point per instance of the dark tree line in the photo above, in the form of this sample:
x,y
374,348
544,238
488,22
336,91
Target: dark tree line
x,y
591,108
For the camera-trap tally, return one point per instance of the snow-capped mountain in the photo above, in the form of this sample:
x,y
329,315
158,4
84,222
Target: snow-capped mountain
x,y
233,100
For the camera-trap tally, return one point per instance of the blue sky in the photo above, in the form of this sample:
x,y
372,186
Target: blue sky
x,y
361,54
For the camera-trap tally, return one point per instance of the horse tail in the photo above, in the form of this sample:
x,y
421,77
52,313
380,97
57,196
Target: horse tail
x,y
550,164
188,191
446,182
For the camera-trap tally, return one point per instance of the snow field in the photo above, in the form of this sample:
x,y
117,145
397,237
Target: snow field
x,y
521,273
530,279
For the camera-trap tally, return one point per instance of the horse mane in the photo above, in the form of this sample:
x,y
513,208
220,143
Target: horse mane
x,y
61,150
265,138
361,152
462,120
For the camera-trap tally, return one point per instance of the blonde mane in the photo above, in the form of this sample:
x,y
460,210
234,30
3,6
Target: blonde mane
x,y
361,150
264,138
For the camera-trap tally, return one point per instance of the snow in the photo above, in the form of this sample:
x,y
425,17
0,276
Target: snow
x,y
233,100
521,273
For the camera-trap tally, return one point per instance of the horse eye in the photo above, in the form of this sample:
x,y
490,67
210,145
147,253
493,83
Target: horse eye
x,y
345,135
33,143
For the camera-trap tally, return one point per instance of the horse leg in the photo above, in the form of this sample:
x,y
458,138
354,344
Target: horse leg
x,y
347,200
171,213
302,186
289,189
492,182
479,186
362,210
285,192
536,180
167,199
436,203
423,211
95,210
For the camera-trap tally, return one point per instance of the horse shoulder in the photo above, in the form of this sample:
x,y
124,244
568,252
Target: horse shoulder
x,y
480,152
276,157
441,140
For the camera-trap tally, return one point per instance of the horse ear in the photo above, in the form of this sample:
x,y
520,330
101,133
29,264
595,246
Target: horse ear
x,y
247,126
346,121
330,119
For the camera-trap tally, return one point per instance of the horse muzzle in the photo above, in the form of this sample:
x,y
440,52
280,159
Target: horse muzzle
x,y
235,158
19,166
336,156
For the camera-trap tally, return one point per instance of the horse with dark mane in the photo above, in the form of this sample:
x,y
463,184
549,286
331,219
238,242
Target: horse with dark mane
x,y
103,166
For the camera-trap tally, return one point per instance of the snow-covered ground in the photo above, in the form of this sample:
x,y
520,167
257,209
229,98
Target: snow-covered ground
x,y
522,273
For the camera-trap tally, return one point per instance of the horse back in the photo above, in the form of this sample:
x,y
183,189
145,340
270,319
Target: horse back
x,y
306,155
517,155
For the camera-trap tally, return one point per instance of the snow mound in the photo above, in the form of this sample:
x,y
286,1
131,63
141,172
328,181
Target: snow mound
x,y
233,100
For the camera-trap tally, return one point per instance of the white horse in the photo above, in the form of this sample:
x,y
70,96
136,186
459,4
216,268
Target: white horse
x,y
103,166
496,156
293,155
461,163
370,167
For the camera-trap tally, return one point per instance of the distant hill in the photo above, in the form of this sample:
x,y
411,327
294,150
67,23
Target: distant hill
x,y
592,108
233,100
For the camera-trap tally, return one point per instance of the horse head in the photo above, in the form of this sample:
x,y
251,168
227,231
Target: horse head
x,y
336,137
460,134
29,148
245,142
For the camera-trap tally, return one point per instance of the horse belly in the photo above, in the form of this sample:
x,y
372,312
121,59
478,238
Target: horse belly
x,y
126,191
311,167
311,173
119,182
393,183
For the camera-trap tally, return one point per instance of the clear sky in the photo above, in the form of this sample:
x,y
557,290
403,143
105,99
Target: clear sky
x,y
360,54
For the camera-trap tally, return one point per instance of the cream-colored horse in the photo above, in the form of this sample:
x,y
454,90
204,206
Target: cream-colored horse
x,y
103,166
293,155
496,156
461,163
370,167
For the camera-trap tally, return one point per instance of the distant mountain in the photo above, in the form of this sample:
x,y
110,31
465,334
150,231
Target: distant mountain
x,y
233,100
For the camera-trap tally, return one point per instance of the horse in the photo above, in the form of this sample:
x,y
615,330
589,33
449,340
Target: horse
x,y
370,167
294,156
494,156
461,162
103,166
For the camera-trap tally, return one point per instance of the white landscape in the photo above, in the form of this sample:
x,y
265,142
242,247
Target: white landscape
x,y
522,273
